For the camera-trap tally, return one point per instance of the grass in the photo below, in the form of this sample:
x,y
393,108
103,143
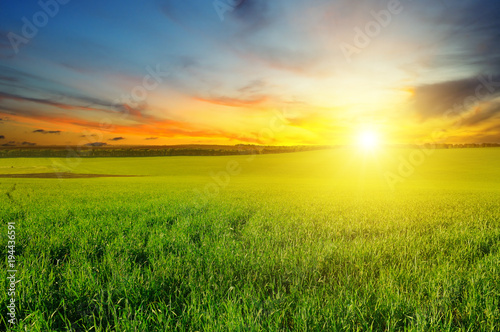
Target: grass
x,y
313,241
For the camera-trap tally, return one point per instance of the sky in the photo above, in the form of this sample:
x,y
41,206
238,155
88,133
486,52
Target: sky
x,y
282,72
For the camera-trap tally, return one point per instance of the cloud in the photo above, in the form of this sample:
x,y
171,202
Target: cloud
x,y
253,93
116,138
153,127
254,14
70,105
494,130
243,29
42,131
192,15
234,102
159,128
136,111
8,79
151,138
96,144
464,34
434,100
254,86
479,21
2,137
28,143
483,113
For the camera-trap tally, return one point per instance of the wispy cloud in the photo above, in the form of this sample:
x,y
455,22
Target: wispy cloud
x,y
42,131
234,102
483,113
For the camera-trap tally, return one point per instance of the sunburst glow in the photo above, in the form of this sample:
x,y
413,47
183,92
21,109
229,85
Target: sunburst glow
x,y
368,140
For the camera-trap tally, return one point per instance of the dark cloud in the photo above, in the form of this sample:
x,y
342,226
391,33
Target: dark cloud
x,y
434,100
77,103
244,16
136,111
30,83
151,138
57,93
117,138
2,137
185,62
474,25
42,131
65,102
481,19
91,135
28,143
254,14
250,14
96,144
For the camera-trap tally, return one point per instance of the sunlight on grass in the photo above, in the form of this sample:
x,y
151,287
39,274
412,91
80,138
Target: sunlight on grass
x,y
331,250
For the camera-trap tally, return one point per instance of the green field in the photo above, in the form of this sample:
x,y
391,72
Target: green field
x,y
310,241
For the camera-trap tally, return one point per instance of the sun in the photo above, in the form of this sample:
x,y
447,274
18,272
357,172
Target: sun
x,y
368,140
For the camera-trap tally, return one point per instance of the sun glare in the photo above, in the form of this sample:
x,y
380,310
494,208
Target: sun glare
x,y
368,140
